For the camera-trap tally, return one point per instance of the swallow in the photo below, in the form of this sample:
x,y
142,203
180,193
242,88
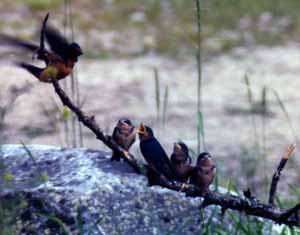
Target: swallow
x,y
154,154
181,162
204,172
59,60
124,135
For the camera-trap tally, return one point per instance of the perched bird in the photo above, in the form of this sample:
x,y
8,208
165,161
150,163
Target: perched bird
x,y
204,172
124,135
181,162
154,154
59,61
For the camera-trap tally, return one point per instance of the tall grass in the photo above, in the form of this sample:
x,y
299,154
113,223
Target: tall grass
x,y
251,104
43,176
291,127
157,93
8,100
199,80
165,105
287,116
72,128
161,103
264,110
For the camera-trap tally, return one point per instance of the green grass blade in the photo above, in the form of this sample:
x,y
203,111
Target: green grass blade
x,y
201,129
292,231
165,105
283,231
264,138
157,92
286,114
79,219
239,225
199,67
295,190
279,201
93,226
251,104
43,176
59,222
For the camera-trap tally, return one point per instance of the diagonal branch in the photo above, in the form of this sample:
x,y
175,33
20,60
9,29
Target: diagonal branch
x,y
225,201
277,173
89,122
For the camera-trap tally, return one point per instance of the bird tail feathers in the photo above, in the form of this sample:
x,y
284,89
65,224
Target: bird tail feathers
x,y
35,71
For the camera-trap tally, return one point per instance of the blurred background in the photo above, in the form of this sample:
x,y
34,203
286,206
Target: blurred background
x,y
140,62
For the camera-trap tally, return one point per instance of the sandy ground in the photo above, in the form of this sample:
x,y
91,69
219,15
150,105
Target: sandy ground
x,y
125,87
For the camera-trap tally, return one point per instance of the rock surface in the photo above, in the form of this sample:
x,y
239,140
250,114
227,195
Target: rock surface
x,y
85,190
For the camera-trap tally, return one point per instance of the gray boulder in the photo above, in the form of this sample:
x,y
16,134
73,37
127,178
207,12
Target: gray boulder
x,y
80,191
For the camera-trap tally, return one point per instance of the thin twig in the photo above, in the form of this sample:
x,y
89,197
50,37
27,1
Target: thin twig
x,y
277,173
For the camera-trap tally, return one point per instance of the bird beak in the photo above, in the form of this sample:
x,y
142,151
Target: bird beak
x,y
141,129
79,52
177,146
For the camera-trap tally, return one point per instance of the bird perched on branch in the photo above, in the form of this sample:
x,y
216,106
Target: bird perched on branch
x,y
59,61
154,154
204,172
124,135
181,162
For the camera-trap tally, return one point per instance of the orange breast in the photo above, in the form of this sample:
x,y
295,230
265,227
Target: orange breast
x,y
63,71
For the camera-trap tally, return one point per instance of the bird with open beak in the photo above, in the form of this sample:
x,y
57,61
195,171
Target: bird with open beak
x,y
154,154
181,162
124,135
204,172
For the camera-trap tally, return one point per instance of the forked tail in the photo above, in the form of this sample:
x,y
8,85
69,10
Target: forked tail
x,y
35,71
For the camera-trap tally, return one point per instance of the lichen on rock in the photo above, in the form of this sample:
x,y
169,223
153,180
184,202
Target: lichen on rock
x,y
86,191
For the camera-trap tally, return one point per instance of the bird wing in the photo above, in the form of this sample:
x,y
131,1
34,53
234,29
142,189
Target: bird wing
x,y
172,157
132,137
115,134
42,36
57,42
190,159
156,156
12,41
131,140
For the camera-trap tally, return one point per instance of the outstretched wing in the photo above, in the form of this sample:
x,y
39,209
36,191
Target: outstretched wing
x,y
15,42
57,42
42,36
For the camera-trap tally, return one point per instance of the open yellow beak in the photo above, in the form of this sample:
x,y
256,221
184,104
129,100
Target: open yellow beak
x,y
141,129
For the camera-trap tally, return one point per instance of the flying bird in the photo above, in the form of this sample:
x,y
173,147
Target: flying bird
x,y
124,135
181,162
204,172
59,59
154,154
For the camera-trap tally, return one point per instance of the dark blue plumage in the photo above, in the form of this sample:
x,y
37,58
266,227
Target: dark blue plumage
x,y
155,155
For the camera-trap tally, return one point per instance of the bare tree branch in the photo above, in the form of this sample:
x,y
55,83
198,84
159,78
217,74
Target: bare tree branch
x,y
277,173
89,122
249,205
290,212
